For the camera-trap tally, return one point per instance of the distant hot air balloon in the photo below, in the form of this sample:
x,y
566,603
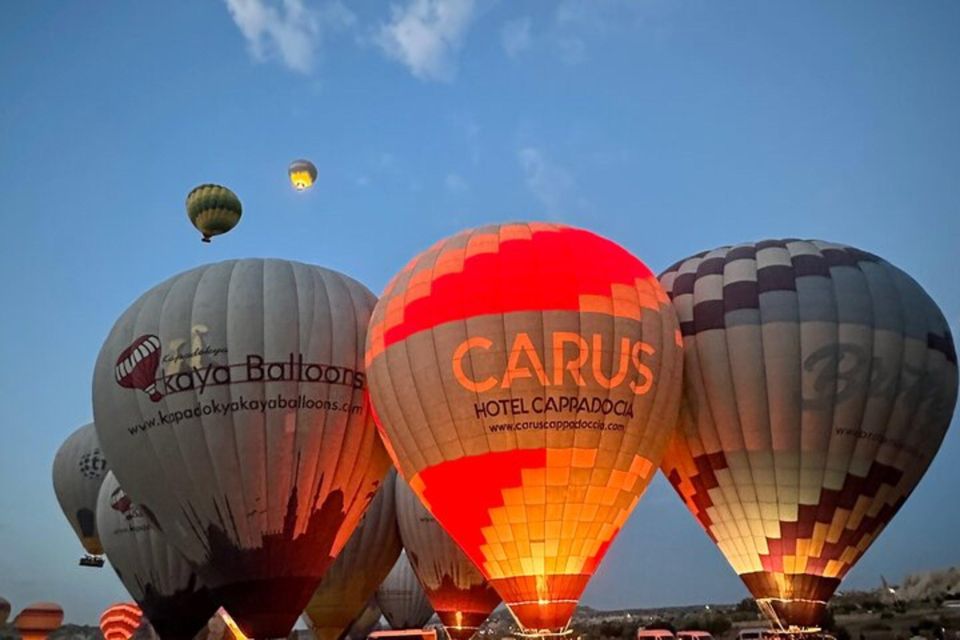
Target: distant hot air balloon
x,y
260,458
365,622
526,378
456,589
78,470
155,574
120,621
401,598
36,621
303,174
4,610
213,210
360,567
820,380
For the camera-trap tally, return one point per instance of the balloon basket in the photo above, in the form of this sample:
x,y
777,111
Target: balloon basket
x,y
91,561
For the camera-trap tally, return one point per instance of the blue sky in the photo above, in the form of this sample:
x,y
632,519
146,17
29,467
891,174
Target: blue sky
x,y
670,127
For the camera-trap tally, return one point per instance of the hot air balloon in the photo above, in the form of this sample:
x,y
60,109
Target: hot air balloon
x,y
526,378
120,621
37,620
155,574
78,470
4,610
303,174
819,383
365,622
456,589
359,569
213,210
401,598
259,458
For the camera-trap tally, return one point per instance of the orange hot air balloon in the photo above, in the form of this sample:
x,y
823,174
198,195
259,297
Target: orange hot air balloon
x,y
820,381
120,621
37,620
455,587
526,379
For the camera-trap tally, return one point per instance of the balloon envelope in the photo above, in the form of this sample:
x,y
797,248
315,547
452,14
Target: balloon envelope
x,y
365,622
155,574
259,457
4,610
303,174
37,620
527,378
120,621
360,567
213,210
456,589
820,380
401,598
78,470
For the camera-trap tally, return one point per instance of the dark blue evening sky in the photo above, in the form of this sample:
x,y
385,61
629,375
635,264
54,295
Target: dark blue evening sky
x,y
670,127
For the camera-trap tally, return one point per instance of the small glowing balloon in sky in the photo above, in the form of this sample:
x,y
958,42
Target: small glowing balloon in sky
x,y
303,174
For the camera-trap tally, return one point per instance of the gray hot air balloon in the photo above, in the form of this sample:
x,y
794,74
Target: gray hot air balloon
x,y
456,589
5,610
231,399
401,598
819,383
78,470
157,576
359,569
365,622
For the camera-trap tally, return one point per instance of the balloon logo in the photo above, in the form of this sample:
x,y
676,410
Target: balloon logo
x,y
137,365
93,465
119,501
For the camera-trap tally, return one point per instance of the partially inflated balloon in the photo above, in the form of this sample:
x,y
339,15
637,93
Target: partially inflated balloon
x,y
820,380
527,379
360,567
120,621
457,591
155,574
401,599
78,470
259,458
365,622
37,620
213,210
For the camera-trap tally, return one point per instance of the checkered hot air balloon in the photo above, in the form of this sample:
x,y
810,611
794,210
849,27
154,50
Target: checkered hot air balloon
x,y
819,383
120,621
79,468
526,378
457,590
136,366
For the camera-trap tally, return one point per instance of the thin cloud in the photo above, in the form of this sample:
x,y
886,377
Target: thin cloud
x,y
287,30
515,36
455,183
426,35
550,183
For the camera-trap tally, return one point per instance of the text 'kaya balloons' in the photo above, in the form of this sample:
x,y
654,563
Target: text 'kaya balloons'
x,y
120,621
78,470
457,591
259,458
360,567
526,378
154,573
820,381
